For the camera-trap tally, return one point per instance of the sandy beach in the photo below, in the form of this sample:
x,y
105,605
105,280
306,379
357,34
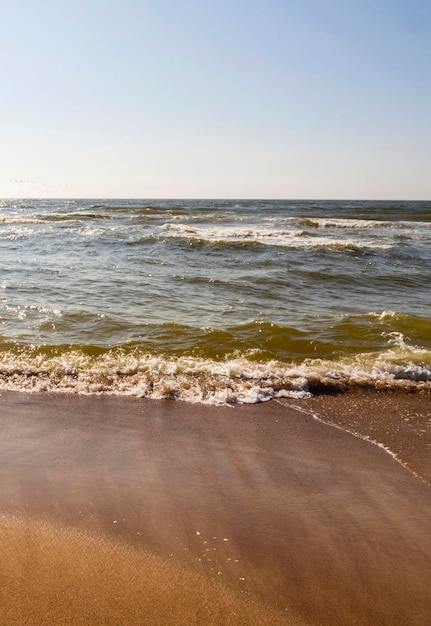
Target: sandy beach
x,y
118,510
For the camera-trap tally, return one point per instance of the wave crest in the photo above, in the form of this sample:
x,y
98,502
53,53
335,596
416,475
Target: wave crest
x,y
237,379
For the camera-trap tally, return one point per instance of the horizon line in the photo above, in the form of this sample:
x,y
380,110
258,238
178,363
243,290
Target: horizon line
x,y
220,198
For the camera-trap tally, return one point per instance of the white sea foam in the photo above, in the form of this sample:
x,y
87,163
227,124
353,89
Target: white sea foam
x,y
192,379
229,233
267,236
358,224
346,223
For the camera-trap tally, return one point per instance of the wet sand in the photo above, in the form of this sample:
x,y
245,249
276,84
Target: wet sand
x,y
399,421
119,510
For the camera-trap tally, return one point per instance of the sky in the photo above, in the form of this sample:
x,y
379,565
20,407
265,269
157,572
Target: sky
x,y
221,99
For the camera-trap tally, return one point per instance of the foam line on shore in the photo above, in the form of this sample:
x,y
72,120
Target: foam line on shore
x,y
307,411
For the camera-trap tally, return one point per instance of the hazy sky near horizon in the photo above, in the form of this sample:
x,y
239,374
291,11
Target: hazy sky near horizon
x,y
226,99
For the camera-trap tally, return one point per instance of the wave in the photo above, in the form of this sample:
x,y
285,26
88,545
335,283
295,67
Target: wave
x,y
42,218
237,378
260,339
358,224
13,219
267,236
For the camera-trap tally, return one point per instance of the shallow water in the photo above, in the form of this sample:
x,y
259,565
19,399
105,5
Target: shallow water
x,y
214,301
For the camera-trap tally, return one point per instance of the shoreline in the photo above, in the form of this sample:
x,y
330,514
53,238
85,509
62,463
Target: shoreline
x,y
396,421
302,520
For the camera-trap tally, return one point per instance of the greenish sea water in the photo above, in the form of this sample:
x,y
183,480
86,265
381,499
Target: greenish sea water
x,y
214,300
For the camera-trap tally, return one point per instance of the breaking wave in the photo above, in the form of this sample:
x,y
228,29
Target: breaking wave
x,y
234,379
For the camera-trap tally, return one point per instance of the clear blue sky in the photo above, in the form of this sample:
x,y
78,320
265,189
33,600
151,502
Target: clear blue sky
x,y
191,98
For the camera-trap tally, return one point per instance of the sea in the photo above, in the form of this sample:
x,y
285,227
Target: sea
x,y
214,301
